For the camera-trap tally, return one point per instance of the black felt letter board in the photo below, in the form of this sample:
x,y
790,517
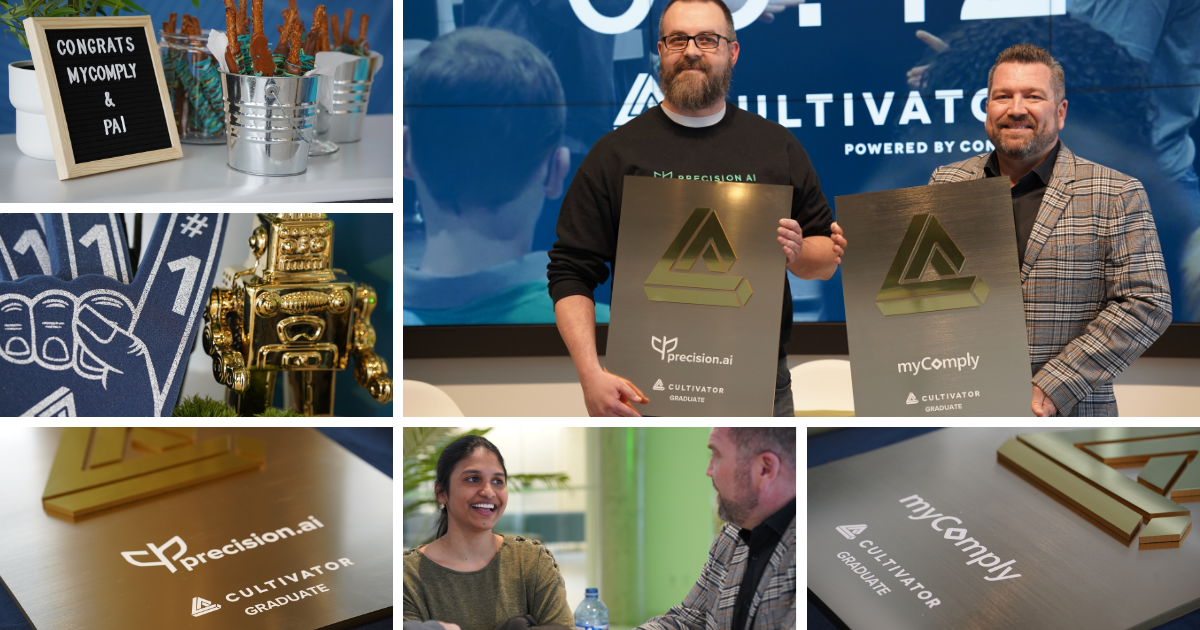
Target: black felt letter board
x,y
109,92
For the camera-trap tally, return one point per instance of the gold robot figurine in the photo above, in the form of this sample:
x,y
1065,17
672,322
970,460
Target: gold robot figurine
x,y
290,311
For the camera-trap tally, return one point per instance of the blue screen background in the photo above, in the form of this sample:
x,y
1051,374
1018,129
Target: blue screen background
x,y
1133,87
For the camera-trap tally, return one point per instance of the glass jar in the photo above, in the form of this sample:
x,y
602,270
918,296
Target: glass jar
x,y
194,85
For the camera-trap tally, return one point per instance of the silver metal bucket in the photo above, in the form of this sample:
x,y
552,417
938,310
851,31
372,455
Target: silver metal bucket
x,y
351,90
269,122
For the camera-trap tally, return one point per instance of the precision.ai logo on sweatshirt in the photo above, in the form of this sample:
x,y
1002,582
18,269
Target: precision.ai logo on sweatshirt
x,y
235,546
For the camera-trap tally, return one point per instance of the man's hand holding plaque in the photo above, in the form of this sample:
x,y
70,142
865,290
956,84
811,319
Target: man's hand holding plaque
x,y
801,259
610,395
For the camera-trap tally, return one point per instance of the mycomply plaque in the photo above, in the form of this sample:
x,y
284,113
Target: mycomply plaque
x,y
934,312
229,529
697,294
975,529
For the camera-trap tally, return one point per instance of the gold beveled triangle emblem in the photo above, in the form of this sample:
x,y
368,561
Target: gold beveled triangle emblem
x,y
702,236
1077,467
91,470
927,245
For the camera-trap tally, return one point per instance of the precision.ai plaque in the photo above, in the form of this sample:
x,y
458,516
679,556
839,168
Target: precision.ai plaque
x,y
226,529
697,293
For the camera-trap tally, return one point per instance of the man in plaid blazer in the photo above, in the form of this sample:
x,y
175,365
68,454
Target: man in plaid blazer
x,y
1092,273
749,580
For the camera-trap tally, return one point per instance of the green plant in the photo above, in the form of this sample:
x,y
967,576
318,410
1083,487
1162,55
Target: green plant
x,y
201,406
13,12
272,412
204,407
422,448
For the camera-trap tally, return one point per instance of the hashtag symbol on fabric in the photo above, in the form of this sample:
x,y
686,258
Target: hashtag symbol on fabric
x,y
194,224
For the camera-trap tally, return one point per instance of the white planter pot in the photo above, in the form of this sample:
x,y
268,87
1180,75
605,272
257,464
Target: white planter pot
x,y
33,131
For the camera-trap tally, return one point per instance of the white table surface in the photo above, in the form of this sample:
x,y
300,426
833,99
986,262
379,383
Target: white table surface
x,y
360,170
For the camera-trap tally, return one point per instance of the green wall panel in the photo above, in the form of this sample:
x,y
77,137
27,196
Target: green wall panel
x,y
680,503
656,519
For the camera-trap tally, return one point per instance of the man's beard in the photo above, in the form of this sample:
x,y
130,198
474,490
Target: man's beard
x,y
1042,138
737,511
694,93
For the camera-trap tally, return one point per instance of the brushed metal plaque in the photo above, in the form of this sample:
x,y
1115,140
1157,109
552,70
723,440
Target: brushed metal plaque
x,y
231,553
697,295
954,546
934,312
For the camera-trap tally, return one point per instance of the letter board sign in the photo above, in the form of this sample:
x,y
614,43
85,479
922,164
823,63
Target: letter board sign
x,y
102,85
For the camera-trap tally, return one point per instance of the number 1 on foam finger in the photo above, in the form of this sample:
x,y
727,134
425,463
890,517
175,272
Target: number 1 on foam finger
x,y
191,267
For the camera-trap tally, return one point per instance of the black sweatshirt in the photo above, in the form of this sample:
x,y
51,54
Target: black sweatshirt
x,y
742,147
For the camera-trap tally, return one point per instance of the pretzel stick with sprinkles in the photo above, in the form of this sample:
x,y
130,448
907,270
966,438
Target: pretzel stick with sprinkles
x,y
260,51
293,60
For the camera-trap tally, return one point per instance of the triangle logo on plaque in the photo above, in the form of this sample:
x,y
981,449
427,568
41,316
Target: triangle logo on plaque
x,y
702,236
912,399
850,531
201,606
114,466
924,276
1079,467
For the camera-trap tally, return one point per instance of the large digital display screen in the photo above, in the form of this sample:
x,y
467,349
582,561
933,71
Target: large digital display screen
x,y
880,93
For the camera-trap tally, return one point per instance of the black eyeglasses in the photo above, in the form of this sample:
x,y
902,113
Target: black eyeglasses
x,y
704,41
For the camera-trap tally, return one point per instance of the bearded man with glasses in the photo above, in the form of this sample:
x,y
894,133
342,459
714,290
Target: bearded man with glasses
x,y
694,134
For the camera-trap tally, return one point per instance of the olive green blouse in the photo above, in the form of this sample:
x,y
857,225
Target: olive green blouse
x,y
521,579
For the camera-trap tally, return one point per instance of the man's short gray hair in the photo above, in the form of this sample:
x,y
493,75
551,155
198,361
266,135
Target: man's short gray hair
x,y
1030,54
751,441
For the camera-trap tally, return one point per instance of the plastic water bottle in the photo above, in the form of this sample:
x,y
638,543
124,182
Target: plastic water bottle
x,y
592,614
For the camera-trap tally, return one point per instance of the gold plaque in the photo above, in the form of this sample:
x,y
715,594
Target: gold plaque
x,y
928,249
298,537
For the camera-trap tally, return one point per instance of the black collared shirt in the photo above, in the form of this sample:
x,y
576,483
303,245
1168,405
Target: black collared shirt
x,y
1026,195
762,541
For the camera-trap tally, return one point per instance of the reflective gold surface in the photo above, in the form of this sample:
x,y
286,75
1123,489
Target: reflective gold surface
x,y
1107,511
78,486
1187,488
702,236
72,576
1160,471
1172,529
927,244
292,311
1122,454
1061,448
1076,467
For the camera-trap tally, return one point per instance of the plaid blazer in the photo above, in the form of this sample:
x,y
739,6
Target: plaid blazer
x,y
709,606
1093,278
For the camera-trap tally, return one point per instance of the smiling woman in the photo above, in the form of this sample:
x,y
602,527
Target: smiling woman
x,y
470,577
